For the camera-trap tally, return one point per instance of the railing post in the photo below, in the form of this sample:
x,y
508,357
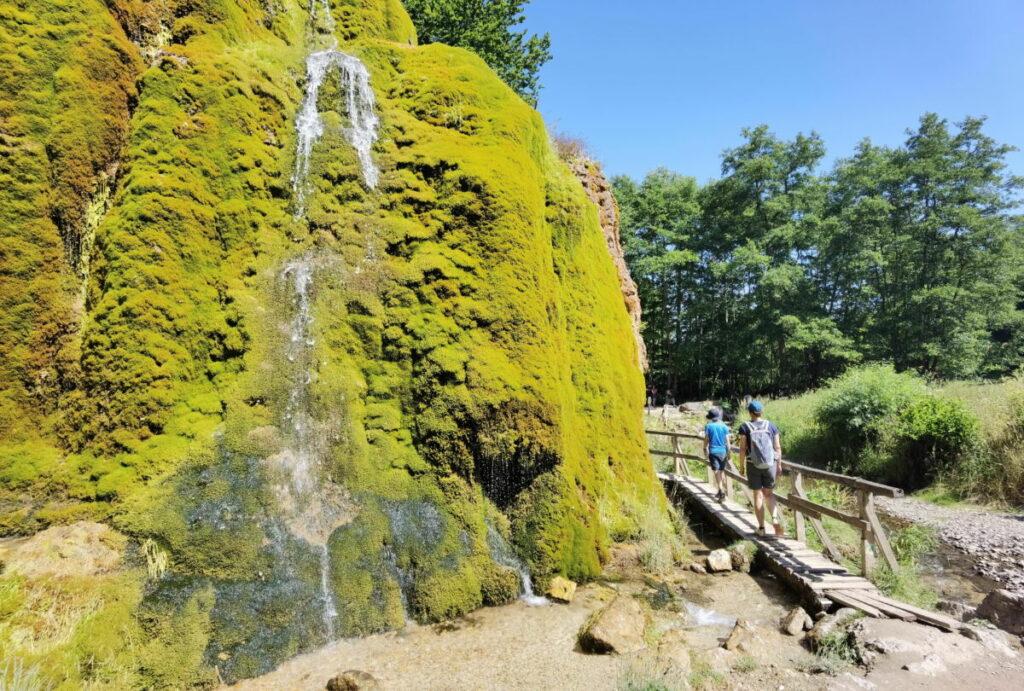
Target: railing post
x,y
680,464
798,516
867,554
878,532
729,491
711,473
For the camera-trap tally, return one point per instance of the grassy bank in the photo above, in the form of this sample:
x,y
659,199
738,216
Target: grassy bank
x,y
983,464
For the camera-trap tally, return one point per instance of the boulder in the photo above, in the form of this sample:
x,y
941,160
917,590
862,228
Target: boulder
x,y
720,660
992,639
618,628
1005,610
719,560
796,621
698,568
744,638
353,680
561,589
742,557
830,623
958,610
675,649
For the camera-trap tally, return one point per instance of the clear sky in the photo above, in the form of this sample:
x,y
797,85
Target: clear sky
x,y
650,83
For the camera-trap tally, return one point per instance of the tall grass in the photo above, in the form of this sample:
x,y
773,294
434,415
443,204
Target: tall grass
x,y
990,471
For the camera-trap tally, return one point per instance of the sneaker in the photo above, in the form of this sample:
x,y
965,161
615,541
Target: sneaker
x,y
720,496
760,531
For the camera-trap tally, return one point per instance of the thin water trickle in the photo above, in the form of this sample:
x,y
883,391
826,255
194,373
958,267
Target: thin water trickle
x,y
698,616
360,107
310,506
502,553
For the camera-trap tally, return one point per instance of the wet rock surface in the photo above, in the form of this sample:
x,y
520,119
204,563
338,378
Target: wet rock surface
x,y
994,539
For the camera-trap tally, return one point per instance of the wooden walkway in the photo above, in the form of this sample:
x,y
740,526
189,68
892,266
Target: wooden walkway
x,y
821,582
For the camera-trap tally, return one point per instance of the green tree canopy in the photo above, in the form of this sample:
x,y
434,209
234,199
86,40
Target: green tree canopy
x,y
487,27
777,277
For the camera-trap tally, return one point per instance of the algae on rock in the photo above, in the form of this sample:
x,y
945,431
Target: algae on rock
x,y
467,361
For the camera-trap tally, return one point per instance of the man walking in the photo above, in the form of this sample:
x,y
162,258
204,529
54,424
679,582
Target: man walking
x,y
716,448
760,442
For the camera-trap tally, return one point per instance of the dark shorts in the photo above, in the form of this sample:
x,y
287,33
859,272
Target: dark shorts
x,y
717,461
761,478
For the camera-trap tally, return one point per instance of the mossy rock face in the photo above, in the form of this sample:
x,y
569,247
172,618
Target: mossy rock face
x,y
465,360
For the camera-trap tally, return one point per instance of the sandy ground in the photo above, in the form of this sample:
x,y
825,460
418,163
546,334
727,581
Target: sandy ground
x,y
522,647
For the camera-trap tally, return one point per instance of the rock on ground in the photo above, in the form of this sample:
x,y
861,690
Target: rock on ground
x,y
81,549
742,557
796,621
353,680
830,623
1005,610
958,610
719,560
745,638
907,655
561,589
618,628
675,649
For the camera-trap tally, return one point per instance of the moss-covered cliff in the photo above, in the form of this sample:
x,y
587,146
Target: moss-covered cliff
x,y
308,425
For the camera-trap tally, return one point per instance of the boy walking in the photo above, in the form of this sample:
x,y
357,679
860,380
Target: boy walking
x,y
716,448
761,443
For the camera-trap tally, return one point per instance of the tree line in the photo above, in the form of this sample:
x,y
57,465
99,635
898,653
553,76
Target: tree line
x,y
779,276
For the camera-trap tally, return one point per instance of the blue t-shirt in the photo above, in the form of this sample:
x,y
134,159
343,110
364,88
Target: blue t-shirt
x,y
716,434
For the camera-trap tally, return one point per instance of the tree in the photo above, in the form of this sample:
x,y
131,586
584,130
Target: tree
x,y
486,27
775,278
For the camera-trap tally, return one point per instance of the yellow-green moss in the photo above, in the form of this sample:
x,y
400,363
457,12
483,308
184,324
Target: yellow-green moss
x,y
471,353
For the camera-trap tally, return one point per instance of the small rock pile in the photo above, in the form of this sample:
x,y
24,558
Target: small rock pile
x,y
738,557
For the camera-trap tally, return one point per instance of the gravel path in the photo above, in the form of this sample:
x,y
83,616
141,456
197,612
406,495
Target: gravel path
x,y
995,540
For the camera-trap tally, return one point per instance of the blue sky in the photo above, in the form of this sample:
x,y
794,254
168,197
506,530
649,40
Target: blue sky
x,y
651,83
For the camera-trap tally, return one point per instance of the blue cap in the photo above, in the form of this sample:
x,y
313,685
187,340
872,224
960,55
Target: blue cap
x,y
755,407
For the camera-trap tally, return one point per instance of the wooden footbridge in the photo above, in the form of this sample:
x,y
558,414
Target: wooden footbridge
x,y
818,577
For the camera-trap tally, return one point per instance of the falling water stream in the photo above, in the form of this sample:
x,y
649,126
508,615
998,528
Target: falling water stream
x,y
502,553
312,507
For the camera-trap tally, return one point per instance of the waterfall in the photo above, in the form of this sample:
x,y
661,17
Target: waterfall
x,y
502,553
311,506
360,107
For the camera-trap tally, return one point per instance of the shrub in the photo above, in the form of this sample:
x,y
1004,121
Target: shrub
x,y
852,411
933,434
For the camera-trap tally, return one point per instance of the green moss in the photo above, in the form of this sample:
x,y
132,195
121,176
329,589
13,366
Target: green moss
x,y
471,359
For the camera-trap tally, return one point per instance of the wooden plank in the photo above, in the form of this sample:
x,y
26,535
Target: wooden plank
x,y
890,610
829,586
933,618
840,479
847,598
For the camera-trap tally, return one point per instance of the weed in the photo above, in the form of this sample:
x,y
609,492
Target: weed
x,y
648,673
14,676
702,676
746,664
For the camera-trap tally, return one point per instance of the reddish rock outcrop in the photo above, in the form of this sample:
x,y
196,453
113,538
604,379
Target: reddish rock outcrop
x,y
600,192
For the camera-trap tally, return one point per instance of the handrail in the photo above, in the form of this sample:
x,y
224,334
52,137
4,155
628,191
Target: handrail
x,y
866,523
810,471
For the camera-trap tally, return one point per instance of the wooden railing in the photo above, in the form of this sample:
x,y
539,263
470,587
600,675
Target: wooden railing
x,y
805,511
